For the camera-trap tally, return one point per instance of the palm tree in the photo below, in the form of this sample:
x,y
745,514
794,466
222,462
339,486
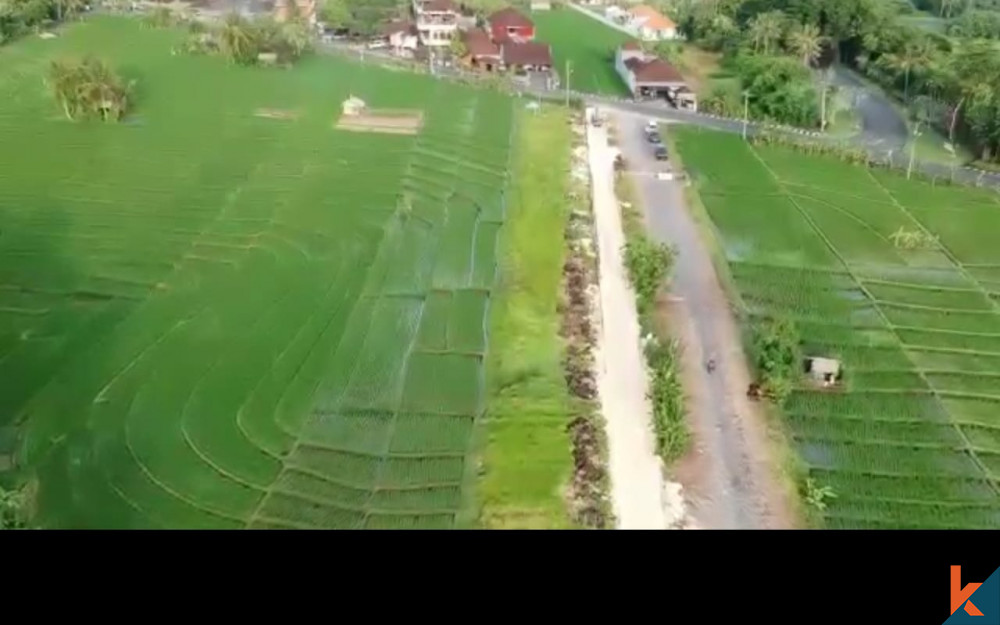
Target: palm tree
x,y
766,29
914,57
806,43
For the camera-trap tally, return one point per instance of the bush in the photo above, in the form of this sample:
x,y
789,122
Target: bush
x,y
667,397
648,264
777,357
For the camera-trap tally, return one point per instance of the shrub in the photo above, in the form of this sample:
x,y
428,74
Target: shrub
x,y
648,264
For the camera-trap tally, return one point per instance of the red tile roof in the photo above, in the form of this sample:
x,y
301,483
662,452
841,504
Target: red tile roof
x,y
478,43
401,26
509,18
653,70
526,53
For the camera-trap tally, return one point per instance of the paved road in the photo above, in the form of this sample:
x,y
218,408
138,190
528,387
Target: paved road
x,y
731,487
881,123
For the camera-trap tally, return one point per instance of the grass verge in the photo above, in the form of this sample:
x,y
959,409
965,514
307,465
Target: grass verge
x,y
648,265
526,452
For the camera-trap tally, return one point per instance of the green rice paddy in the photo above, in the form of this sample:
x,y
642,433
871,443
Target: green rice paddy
x,y
210,319
587,44
913,441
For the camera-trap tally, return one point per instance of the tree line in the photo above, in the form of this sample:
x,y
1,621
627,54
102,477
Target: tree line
x,y
21,17
951,82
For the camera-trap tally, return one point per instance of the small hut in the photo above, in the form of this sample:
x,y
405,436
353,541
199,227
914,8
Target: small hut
x,y
267,58
354,106
825,371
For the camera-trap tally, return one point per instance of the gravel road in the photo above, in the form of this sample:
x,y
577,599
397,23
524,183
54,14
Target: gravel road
x,y
729,477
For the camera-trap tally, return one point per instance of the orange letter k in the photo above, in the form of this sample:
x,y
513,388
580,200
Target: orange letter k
x,y
959,594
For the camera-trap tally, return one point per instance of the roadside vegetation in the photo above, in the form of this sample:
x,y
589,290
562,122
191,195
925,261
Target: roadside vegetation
x,y
538,386
649,265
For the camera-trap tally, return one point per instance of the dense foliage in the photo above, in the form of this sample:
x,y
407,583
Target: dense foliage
x,y
20,17
11,509
667,397
360,17
951,82
246,42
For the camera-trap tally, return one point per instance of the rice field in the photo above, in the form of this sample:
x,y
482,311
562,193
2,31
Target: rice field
x,y
210,319
587,44
913,438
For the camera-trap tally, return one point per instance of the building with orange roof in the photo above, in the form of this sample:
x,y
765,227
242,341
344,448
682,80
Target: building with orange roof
x,y
651,25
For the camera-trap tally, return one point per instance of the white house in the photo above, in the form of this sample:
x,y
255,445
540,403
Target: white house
x,y
437,21
651,25
402,36
540,5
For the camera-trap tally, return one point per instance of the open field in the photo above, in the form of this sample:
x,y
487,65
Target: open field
x,y
914,438
210,318
530,405
587,44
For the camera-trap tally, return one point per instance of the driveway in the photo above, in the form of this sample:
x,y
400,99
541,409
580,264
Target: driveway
x,y
728,476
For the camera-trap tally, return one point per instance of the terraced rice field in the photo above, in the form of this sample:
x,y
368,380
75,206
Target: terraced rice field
x,y
914,439
213,319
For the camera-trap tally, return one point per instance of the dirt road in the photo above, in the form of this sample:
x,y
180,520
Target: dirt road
x,y
640,497
728,478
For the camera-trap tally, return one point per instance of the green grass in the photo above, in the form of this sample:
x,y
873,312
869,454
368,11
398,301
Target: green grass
x,y
527,452
210,319
808,237
587,44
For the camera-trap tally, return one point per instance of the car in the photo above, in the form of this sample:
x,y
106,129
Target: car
x,y
651,126
378,44
654,138
660,152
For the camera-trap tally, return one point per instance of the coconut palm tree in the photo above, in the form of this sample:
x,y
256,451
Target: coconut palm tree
x,y
914,57
806,42
766,29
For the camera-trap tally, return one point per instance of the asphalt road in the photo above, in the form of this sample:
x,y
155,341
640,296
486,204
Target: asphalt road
x,y
881,123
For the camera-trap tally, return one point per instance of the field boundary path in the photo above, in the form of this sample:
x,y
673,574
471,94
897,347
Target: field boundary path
x,y
728,477
638,490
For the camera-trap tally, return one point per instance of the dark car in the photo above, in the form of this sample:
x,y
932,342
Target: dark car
x,y
654,138
660,153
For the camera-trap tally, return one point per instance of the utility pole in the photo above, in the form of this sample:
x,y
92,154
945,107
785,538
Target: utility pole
x,y
913,149
746,112
568,70
822,121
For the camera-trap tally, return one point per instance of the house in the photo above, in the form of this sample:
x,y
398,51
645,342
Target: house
x,y
402,35
617,14
526,56
509,23
540,5
481,52
306,9
649,77
651,25
437,21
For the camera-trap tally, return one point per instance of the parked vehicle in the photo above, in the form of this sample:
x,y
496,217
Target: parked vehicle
x,y
378,45
660,152
654,138
652,126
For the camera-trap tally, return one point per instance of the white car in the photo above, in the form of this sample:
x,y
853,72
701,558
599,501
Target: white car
x,y
652,126
378,45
